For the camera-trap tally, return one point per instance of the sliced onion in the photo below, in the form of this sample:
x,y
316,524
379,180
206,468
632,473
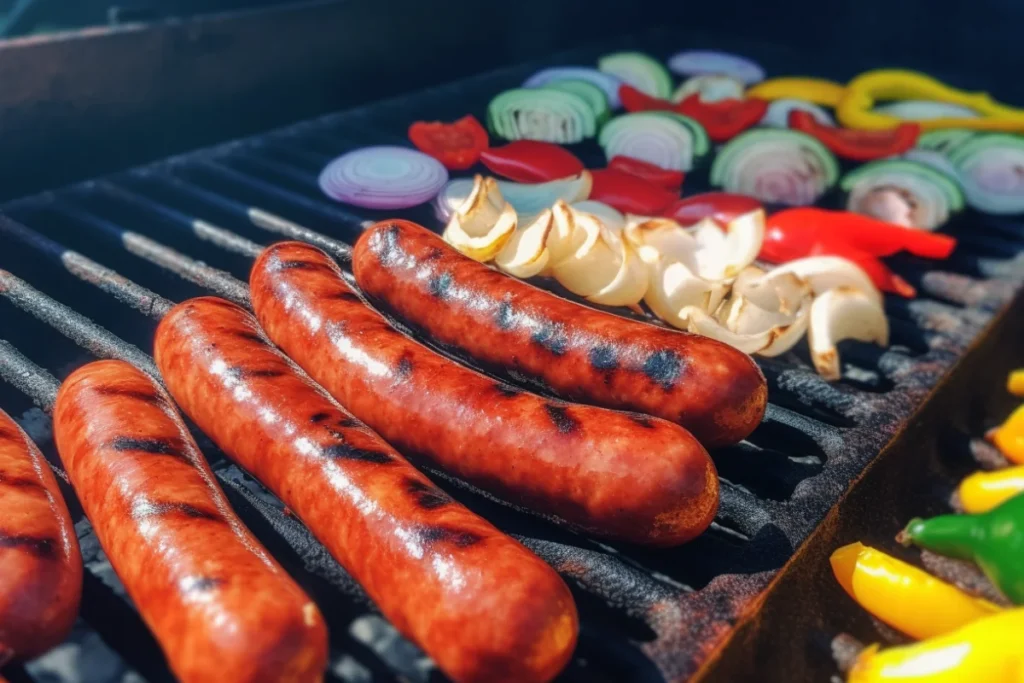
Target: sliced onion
x,y
923,110
526,254
700,322
902,192
541,114
671,141
991,171
528,199
383,177
483,223
711,87
839,314
609,215
820,273
932,158
777,115
674,287
775,166
606,82
696,62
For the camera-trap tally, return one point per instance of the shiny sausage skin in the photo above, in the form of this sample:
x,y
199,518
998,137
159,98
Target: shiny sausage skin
x,y
484,607
619,475
220,606
579,353
40,564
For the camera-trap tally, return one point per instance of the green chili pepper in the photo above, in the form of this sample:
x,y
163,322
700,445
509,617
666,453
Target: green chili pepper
x,y
994,540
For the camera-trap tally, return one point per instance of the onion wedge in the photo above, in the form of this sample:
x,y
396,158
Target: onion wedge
x,y
700,322
528,199
821,273
482,224
526,253
843,313
674,287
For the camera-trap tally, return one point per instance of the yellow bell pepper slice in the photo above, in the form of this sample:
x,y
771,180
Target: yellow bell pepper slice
x,y
985,651
854,110
817,90
903,596
1009,438
983,491
1015,383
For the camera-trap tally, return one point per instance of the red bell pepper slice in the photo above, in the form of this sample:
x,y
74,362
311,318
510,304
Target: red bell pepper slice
x,y
531,161
634,100
875,237
456,145
721,207
628,193
725,119
662,177
857,145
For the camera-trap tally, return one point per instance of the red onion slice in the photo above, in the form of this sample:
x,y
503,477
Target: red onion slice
x,y
698,62
383,177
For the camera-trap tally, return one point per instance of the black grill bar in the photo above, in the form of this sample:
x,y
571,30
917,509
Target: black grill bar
x,y
27,377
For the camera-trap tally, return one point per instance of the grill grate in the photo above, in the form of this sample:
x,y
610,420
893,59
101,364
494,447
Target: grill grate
x,y
192,225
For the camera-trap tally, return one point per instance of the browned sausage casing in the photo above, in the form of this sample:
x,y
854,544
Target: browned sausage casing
x,y
710,388
619,475
484,607
220,606
40,564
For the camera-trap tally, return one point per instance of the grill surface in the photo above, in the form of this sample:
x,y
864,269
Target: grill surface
x,y
114,252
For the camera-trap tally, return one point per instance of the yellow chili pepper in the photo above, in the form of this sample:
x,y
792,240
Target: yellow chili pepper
x,y
855,108
983,491
985,651
903,596
1015,384
817,90
1009,438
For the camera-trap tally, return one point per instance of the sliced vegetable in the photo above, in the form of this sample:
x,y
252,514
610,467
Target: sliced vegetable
x,y
721,207
726,119
855,109
946,140
934,160
628,193
881,276
670,180
698,62
541,114
1015,382
902,192
858,145
641,71
532,161
603,268
710,88
816,90
482,224
633,101
671,141
838,314
456,145
593,95
820,273
609,216
528,200
606,82
776,166
1009,437
383,178
526,254
922,110
777,115
983,491
991,170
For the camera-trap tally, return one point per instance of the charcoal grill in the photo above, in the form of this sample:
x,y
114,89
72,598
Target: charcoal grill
x,y
94,264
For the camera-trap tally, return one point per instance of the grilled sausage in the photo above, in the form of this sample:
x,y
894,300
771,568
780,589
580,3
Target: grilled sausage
x,y
579,353
220,606
618,475
484,607
40,564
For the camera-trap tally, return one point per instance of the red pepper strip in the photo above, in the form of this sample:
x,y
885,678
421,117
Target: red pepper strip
x,y
726,119
720,207
633,100
531,161
868,234
858,145
628,193
456,145
662,177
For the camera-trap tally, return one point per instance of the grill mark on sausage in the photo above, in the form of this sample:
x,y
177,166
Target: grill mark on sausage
x,y
145,508
200,584
664,367
20,482
434,254
505,317
427,497
240,373
251,336
344,296
507,390
403,369
319,417
157,446
42,547
642,420
563,421
443,534
603,357
344,451
440,285
7,435
134,394
299,264
552,337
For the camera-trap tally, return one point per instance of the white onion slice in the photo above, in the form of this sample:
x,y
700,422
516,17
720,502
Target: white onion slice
x,y
711,87
525,254
843,313
528,199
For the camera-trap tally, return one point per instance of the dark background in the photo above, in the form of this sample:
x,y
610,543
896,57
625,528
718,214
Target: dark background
x,y
76,105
